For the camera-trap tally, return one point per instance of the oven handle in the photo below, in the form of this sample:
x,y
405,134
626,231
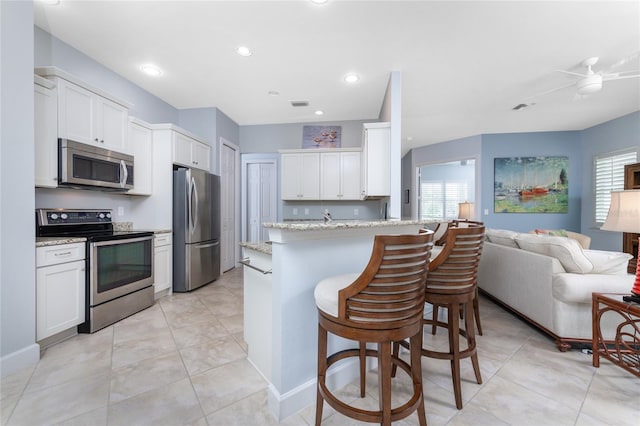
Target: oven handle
x,y
125,174
121,241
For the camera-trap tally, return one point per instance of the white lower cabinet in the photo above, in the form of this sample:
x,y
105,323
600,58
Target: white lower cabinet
x,y
60,288
163,263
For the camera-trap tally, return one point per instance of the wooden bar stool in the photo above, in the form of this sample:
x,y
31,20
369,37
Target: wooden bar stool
x,y
383,304
452,283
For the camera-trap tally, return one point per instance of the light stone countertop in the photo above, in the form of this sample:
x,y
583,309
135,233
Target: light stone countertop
x,y
262,247
339,224
54,241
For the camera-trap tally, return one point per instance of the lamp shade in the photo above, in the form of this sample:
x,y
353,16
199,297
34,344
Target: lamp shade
x,y
466,211
624,212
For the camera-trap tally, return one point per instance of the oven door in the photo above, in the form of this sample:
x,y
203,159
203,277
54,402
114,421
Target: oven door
x,y
119,267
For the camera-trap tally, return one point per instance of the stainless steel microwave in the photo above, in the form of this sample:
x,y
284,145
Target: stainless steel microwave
x,y
86,167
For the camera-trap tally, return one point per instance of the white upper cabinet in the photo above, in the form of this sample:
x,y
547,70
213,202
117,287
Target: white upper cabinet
x,y
45,133
340,175
191,152
300,176
141,143
376,153
87,114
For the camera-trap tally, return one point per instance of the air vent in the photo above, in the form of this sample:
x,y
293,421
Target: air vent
x,y
299,103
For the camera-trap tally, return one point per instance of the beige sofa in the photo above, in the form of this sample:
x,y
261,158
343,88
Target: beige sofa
x,y
548,281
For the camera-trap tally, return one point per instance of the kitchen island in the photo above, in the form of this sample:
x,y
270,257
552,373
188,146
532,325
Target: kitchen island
x,y
280,315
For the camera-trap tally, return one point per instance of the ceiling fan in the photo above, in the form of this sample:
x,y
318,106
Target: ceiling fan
x,y
591,81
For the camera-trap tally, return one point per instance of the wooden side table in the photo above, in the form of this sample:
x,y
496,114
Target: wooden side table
x,y
624,350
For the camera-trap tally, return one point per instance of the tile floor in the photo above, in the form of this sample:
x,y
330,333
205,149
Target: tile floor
x,y
183,362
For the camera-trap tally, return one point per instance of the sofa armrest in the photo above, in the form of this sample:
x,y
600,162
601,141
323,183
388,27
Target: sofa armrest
x,y
577,288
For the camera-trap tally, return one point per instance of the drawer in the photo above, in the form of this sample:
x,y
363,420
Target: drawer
x,y
63,253
164,239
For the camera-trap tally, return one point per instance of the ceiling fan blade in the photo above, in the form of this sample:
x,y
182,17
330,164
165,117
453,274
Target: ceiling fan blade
x,y
622,61
619,77
550,91
572,73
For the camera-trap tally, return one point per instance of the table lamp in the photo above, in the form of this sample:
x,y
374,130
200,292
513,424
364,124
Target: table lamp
x,y
466,211
624,216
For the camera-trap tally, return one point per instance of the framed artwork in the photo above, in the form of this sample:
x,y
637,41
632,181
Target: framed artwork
x,y
321,137
531,185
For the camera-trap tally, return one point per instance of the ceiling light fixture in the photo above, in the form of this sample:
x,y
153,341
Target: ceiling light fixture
x,y
319,112
351,78
151,70
243,51
50,2
319,1
273,93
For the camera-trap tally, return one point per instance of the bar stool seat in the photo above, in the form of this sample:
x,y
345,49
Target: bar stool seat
x,y
381,305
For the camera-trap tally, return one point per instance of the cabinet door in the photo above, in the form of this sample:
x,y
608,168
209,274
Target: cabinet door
x,y
181,149
141,142
330,176
350,175
111,125
310,176
60,298
75,113
290,172
46,137
162,268
200,155
376,162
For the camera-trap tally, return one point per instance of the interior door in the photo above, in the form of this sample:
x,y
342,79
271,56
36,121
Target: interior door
x,y
261,199
228,159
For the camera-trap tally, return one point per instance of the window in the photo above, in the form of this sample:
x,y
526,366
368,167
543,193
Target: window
x,y
442,186
439,199
608,170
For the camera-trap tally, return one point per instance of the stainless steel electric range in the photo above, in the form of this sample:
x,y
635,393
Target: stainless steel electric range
x,y
119,265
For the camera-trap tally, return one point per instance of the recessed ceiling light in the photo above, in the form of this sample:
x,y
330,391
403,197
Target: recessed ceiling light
x,y
50,2
351,78
273,93
319,1
243,51
151,70
319,112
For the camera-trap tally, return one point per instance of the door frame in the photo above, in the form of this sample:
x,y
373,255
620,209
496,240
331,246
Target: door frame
x,y
252,158
236,201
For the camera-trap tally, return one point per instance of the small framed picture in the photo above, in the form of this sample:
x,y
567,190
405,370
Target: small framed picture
x,y
321,137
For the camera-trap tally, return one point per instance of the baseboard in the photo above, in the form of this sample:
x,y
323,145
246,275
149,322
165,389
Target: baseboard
x,y
18,360
289,403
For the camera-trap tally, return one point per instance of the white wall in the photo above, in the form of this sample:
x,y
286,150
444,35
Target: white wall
x,y
17,252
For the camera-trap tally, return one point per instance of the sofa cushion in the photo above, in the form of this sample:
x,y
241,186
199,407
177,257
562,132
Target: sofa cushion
x,y
503,237
566,250
577,288
608,262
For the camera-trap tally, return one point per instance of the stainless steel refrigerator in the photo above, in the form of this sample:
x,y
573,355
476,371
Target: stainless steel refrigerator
x,y
196,228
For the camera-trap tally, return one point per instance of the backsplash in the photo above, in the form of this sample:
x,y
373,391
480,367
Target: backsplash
x,y
122,226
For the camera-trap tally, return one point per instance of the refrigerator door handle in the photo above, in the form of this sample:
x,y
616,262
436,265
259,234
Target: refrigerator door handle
x,y
194,209
208,245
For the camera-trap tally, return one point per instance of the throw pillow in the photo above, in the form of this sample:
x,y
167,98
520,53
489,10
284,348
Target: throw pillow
x,y
608,262
503,237
566,250
552,233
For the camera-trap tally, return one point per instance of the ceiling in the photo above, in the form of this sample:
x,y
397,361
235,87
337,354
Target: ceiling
x,y
464,65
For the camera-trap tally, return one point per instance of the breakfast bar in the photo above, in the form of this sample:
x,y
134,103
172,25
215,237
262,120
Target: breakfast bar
x,y
280,316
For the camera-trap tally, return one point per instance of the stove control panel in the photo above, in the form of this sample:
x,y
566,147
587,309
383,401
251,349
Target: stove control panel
x,y
72,217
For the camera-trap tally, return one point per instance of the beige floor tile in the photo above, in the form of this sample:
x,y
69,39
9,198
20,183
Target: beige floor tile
x,y
233,323
136,350
252,410
97,417
58,403
134,379
215,353
474,416
173,404
199,333
222,386
14,384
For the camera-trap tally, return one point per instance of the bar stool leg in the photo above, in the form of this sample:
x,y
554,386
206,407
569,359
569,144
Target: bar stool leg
x,y
384,377
415,347
454,350
322,370
363,368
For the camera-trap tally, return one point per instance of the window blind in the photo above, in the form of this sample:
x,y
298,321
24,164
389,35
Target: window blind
x,y
609,176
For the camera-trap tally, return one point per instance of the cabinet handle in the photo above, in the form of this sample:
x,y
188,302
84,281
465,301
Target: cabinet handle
x,y
66,253
247,262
